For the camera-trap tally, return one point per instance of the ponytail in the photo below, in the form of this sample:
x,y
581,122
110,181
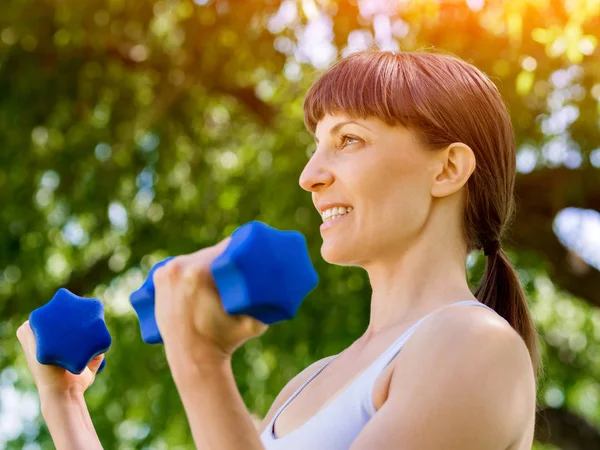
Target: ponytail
x,y
501,290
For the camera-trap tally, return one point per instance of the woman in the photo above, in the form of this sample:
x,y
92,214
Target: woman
x,y
414,168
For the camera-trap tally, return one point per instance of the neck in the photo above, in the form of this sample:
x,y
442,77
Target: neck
x,y
424,277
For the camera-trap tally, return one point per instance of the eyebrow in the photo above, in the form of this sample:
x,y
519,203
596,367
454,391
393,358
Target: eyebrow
x,y
337,126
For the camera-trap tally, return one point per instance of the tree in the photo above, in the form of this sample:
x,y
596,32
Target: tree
x,y
133,131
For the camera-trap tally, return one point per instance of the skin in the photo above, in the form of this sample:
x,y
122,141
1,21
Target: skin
x,y
405,226
405,232
61,397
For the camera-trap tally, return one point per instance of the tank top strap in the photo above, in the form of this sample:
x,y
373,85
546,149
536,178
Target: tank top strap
x,y
388,355
368,377
397,345
295,394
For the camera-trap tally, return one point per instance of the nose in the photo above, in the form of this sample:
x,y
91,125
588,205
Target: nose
x,y
315,175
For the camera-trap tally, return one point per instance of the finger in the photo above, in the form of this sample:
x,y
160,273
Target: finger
x,y
27,340
95,363
208,252
252,326
221,246
216,250
22,330
195,276
26,337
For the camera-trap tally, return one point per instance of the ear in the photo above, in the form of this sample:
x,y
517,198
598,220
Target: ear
x,y
455,164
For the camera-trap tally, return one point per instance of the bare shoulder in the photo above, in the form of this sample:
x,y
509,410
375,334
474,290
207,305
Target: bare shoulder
x,y
467,360
474,330
292,386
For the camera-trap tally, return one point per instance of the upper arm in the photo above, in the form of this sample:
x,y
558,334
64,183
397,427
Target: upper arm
x,y
465,381
292,386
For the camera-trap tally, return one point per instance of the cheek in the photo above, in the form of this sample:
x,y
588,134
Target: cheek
x,y
401,192
396,177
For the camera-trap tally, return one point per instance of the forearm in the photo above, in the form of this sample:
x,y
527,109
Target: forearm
x,y
69,421
216,412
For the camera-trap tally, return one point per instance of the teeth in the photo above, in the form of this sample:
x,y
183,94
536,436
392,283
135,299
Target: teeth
x,y
334,212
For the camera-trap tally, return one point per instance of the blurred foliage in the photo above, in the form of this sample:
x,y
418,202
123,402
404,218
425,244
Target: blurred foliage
x,y
134,130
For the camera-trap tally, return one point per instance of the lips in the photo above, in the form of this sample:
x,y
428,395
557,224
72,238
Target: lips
x,y
333,220
336,211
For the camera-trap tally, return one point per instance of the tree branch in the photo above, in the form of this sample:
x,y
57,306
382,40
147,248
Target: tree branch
x,y
541,195
566,430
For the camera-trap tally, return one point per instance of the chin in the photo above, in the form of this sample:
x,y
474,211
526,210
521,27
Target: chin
x,y
338,254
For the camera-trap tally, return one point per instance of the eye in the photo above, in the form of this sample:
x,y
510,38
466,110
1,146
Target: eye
x,y
346,138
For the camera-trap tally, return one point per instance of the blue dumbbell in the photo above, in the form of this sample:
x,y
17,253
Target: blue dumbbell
x,y
70,331
264,273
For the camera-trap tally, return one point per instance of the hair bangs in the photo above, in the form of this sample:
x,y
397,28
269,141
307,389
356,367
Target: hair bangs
x,y
359,86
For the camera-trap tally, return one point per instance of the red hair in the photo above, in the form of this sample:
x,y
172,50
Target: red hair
x,y
444,100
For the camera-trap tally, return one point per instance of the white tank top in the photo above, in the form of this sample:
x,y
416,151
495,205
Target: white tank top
x,y
337,425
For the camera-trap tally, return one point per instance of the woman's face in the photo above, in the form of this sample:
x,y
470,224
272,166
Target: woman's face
x,y
382,174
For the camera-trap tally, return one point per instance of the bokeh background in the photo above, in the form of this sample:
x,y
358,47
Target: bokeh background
x,y
133,130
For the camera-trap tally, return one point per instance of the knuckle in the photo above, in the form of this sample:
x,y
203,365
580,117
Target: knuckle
x,y
174,267
169,271
189,273
193,272
158,275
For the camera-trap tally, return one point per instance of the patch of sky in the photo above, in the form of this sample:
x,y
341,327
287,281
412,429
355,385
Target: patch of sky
x,y
527,157
579,230
595,157
50,180
148,142
562,150
315,42
383,33
285,16
560,120
117,215
102,151
74,233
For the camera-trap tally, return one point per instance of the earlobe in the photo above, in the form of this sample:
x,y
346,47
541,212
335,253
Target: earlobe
x,y
455,165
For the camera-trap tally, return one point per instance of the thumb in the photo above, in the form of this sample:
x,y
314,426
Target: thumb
x,y
27,339
94,364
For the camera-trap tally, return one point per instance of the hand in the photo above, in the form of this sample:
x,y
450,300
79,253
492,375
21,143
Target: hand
x,y
53,379
189,312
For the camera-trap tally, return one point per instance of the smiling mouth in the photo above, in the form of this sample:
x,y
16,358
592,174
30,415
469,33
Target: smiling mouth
x,y
335,213
332,221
